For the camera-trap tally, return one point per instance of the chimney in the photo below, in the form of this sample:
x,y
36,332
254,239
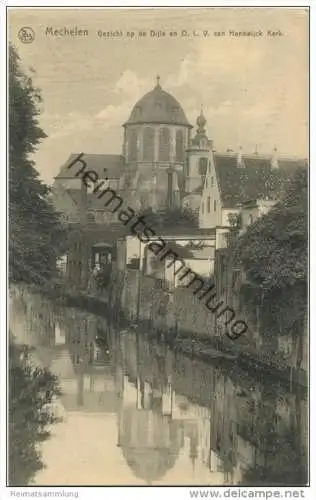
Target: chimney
x,y
274,159
240,161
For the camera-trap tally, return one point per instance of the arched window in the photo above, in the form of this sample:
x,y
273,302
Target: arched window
x,y
208,204
202,166
250,218
170,190
179,145
164,144
188,169
212,181
149,144
214,205
132,145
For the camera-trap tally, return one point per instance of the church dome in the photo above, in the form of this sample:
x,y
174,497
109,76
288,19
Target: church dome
x,y
158,106
150,464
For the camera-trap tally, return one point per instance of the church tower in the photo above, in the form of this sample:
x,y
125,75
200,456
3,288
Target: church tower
x,y
197,157
156,136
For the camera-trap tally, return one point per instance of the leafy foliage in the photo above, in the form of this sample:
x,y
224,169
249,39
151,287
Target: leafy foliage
x,y
31,390
273,252
285,464
35,235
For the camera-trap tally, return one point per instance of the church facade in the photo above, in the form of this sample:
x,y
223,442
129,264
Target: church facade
x,y
165,165
162,166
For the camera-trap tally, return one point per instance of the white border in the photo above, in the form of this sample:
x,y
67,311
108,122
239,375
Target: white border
x,y
154,492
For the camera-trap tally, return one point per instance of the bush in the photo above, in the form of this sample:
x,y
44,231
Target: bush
x,y
31,390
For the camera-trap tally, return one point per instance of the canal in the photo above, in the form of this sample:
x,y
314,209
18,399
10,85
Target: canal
x,y
134,412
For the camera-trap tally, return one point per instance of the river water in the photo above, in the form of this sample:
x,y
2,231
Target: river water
x,y
136,413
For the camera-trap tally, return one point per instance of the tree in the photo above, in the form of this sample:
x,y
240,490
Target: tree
x,y
285,465
273,253
31,391
34,244
34,230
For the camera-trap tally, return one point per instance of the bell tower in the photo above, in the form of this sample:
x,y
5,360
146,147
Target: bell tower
x,y
197,156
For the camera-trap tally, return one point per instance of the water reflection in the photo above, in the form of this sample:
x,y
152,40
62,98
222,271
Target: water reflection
x,y
136,413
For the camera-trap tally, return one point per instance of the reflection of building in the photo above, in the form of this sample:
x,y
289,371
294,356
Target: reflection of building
x,y
151,391
78,353
162,419
92,387
150,440
223,430
169,408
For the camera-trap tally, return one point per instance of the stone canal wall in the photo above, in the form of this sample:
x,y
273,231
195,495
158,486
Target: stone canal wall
x,y
192,315
148,300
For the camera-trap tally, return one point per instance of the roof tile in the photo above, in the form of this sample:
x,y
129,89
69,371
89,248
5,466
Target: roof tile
x,y
110,166
255,180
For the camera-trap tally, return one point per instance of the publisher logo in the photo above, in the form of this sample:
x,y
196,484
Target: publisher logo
x,y
26,35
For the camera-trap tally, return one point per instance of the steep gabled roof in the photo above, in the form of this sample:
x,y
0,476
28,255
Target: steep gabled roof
x,y
110,166
93,202
256,179
75,195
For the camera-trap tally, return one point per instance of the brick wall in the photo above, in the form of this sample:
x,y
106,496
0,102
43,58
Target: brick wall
x,y
191,313
149,299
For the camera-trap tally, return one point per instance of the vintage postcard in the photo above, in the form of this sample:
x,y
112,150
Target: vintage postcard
x,y
158,169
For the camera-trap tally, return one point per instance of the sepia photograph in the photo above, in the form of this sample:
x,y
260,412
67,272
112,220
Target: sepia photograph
x,y
158,237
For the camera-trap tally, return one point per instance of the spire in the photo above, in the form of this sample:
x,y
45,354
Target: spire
x,y
274,159
201,122
157,81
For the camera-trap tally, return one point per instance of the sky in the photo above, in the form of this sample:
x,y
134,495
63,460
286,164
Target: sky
x,y
254,90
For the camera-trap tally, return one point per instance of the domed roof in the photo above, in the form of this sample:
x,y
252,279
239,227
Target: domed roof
x,y
149,441
158,106
150,464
